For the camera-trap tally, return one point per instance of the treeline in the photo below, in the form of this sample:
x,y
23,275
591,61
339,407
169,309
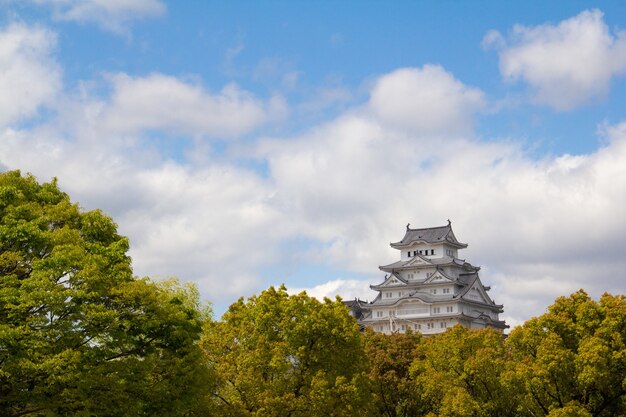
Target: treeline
x,y
80,335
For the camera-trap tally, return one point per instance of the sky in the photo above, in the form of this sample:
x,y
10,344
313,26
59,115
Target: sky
x,y
246,144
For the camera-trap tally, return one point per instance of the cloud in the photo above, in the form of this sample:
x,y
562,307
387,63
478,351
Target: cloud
x,y
425,100
29,75
111,15
346,186
347,289
566,64
550,226
177,214
325,98
540,229
161,102
214,225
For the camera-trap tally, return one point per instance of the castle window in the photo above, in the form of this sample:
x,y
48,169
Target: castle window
x,y
443,324
399,294
432,251
408,254
403,327
449,309
379,314
433,291
446,290
414,252
436,310
430,325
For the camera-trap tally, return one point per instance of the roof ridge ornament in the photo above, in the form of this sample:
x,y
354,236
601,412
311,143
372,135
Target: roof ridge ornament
x,y
449,222
407,226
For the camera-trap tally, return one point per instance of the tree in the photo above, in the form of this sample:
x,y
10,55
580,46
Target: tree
x,y
78,333
389,358
572,360
461,374
287,355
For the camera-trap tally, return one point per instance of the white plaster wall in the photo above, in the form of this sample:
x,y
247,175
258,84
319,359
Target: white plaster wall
x,y
439,252
455,251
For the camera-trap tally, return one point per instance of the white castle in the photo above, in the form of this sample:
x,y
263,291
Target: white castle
x,y
429,289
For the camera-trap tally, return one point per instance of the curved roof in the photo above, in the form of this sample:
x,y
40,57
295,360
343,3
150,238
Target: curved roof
x,y
403,282
489,302
485,318
416,295
411,264
440,234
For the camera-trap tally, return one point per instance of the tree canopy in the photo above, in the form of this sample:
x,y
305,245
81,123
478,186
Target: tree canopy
x,y
572,358
393,388
287,355
461,374
79,333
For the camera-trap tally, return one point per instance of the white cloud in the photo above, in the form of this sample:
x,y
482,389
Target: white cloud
x,y
112,15
540,229
347,289
544,226
347,186
161,102
213,225
425,100
566,64
177,215
29,76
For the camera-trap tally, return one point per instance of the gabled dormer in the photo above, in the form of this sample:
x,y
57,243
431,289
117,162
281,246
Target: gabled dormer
x,y
475,292
439,277
391,280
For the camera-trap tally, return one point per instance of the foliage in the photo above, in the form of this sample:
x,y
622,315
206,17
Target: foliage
x,y
389,358
572,358
287,355
78,333
460,374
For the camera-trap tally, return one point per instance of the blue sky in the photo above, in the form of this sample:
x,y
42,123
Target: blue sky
x,y
245,144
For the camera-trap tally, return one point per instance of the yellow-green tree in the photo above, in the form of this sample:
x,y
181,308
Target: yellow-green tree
x,y
79,335
389,358
287,355
572,360
459,373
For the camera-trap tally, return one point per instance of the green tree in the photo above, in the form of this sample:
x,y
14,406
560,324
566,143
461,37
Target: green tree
x,y
459,373
78,333
287,355
572,358
389,358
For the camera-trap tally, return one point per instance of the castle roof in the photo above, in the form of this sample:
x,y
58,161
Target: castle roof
x,y
415,295
419,260
440,234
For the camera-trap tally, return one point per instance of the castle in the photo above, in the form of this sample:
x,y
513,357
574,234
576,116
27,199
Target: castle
x,y
429,289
